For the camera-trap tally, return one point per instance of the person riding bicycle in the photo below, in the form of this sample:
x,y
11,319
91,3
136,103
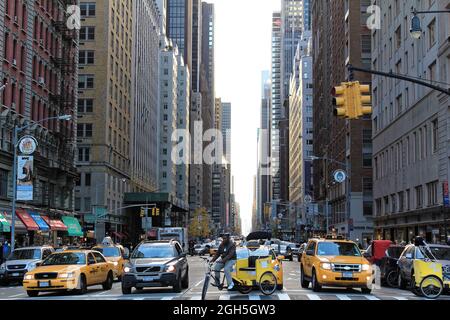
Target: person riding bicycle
x,y
225,259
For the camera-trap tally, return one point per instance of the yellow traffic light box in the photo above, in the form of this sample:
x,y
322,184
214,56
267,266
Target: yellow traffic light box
x,y
352,100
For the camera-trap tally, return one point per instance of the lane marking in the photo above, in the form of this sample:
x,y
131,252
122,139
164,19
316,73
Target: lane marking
x,y
343,297
373,298
401,298
283,296
313,297
199,283
17,295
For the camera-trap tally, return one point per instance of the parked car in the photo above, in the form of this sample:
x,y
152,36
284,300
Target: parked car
x,y
156,264
68,271
21,261
201,249
412,253
385,255
335,263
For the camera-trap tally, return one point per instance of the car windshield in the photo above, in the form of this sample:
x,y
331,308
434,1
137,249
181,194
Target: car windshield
x,y
109,251
25,254
338,249
65,258
261,252
153,251
441,253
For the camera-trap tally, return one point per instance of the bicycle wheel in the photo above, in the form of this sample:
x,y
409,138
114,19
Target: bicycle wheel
x,y
392,279
268,283
431,287
205,287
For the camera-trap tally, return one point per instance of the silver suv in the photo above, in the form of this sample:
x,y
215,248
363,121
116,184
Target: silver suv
x,y
156,264
21,261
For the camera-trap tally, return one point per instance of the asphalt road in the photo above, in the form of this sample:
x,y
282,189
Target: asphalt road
x,y
291,291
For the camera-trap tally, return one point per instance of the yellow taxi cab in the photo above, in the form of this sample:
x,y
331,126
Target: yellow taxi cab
x,y
116,254
335,262
72,270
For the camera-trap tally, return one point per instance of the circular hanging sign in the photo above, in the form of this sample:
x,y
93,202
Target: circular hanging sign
x,y
28,145
280,216
339,176
308,199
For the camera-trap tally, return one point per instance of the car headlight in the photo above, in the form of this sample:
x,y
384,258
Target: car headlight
x,y
365,267
170,268
67,275
326,266
31,266
127,269
29,277
115,263
3,266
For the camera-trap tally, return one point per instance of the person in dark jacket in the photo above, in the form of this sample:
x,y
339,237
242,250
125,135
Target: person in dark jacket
x,y
225,259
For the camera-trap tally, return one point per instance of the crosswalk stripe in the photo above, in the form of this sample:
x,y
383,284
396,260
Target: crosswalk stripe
x,y
224,297
168,298
313,297
343,297
283,296
196,298
373,298
254,297
17,295
400,298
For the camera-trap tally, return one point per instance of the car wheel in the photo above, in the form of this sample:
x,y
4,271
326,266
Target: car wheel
x,y
4,283
185,283
32,294
178,285
107,285
83,285
315,284
126,290
303,282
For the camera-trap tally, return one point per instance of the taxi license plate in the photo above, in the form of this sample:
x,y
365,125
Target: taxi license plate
x,y
16,274
44,284
347,275
148,279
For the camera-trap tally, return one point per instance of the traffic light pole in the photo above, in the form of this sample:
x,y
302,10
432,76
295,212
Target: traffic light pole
x,y
400,77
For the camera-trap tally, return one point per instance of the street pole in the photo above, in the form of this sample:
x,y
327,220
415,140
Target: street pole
x,y
14,183
347,195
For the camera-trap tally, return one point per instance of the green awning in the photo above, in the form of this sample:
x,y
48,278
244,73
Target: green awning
x,y
73,226
4,224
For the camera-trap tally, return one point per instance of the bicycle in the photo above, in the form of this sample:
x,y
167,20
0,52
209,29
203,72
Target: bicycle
x,y
267,282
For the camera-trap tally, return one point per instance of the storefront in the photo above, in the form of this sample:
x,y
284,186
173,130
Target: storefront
x,y
42,236
58,229
5,228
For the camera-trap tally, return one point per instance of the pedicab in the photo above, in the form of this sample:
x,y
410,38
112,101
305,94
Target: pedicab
x,y
428,280
256,266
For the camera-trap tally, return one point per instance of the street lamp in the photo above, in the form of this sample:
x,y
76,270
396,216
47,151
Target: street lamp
x,y
16,132
416,28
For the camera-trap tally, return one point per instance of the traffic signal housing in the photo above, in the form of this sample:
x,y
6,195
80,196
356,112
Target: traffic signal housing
x,y
352,100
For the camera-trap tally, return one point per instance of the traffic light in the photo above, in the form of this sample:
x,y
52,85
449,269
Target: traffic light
x,y
153,212
142,213
157,211
352,100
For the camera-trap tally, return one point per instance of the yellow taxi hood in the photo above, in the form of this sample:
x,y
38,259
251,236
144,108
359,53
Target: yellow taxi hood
x,y
59,269
343,259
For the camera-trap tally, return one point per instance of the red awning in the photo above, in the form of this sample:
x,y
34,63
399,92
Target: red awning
x,y
27,220
55,225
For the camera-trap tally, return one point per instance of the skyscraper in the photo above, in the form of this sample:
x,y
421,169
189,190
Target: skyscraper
x,y
226,130
338,35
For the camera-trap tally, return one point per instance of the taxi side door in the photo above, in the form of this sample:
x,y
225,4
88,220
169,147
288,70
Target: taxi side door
x,y
92,270
308,258
102,267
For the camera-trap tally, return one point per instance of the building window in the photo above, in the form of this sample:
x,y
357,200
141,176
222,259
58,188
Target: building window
x,y
86,81
434,136
84,130
84,154
87,33
419,197
87,179
86,57
432,189
3,183
85,105
87,9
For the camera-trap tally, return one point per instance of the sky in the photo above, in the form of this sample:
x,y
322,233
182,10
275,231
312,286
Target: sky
x,y
242,52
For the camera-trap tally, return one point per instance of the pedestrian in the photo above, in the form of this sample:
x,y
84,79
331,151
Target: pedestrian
x,y
6,250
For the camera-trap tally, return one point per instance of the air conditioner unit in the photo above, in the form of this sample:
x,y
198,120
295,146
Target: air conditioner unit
x,y
13,105
14,62
16,18
41,42
41,80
